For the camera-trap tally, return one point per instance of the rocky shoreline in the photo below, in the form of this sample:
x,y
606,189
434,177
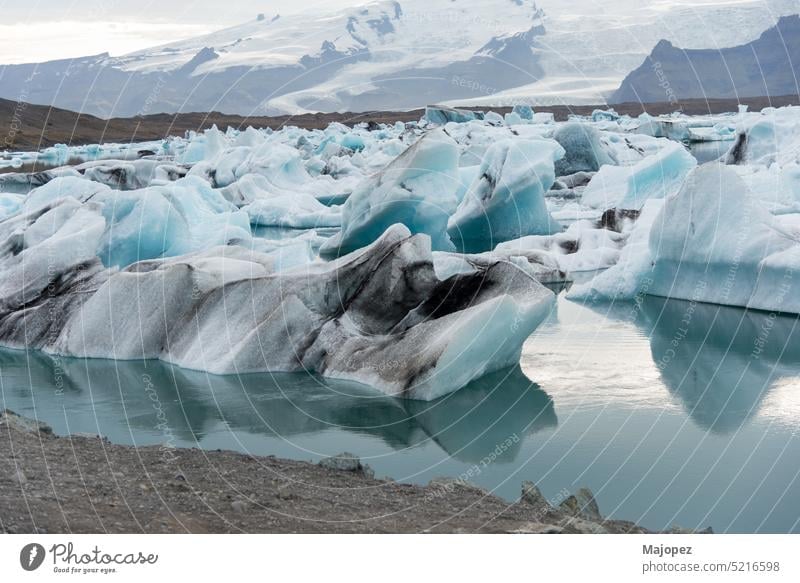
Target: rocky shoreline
x,y
84,484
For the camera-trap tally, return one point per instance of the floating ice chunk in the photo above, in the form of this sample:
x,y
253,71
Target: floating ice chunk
x,y
658,127
523,111
63,187
299,211
513,119
583,149
131,175
630,275
206,146
23,183
45,252
543,117
628,187
159,221
389,323
506,200
418,189
604,115
767,139
717,244
442,115
248,189
717,133
284,170
584,246
493,118
353,141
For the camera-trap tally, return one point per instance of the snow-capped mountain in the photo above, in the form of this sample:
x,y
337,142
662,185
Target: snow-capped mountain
x,y
395,54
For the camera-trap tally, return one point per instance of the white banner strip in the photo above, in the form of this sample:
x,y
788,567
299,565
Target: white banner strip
x,y
400,558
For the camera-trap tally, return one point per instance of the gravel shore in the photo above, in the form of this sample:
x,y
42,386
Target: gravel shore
x,y
84,484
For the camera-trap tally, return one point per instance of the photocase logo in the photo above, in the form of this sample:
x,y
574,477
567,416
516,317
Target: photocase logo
x,y
31,556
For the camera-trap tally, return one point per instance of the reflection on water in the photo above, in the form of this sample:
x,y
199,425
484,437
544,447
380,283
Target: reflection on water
x,y
165,403
671,412
721,361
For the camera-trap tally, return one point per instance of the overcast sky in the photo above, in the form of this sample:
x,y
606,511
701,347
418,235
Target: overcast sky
x,y
38,30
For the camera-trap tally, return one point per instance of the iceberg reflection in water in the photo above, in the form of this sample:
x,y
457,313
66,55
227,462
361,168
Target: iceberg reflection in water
x,y
148,402
671,421
720,361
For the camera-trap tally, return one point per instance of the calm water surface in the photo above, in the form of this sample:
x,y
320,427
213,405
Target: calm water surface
x,y
671,412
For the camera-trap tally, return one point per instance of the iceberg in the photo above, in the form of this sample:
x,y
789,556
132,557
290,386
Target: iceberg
x,y
629,187
584,246
300,211
379,316
159,221
584,151
441,115
630,276
766,139
418,189
712,242
600,115
718,244
506,199
523,111
23,182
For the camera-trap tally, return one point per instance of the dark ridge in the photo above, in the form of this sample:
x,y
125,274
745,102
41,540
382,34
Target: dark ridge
x,y
33,127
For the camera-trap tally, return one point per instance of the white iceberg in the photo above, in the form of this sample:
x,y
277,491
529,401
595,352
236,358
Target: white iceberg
x,y
629,187
717,244
584,246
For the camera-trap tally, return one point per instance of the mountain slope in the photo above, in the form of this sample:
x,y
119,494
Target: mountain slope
x,y
770,66
394,54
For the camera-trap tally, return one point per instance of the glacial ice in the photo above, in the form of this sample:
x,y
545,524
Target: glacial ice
x,y
379,316
300,211
584,151
718,244
629,276
442,233
629,187
161,221
767,138
712,242
442,115
418,189
506,199
583,246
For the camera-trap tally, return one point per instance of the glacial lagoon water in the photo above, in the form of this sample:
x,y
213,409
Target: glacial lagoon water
x,y
671,412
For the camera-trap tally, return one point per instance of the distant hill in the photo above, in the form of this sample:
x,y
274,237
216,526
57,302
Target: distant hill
x,y
32,127
768,66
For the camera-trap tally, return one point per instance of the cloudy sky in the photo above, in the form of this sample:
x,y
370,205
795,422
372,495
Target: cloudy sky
x,y
38,30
